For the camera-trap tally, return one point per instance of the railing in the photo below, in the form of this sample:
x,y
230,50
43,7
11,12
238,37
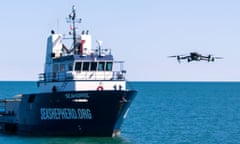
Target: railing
x,y
74,75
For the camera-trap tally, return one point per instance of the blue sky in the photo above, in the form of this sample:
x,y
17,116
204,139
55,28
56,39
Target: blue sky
x,y
142,33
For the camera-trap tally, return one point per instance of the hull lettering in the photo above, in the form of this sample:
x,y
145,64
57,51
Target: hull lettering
x,y
65,113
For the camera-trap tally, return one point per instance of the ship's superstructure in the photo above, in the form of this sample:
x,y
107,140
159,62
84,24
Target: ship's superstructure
x,y
80,67
82,91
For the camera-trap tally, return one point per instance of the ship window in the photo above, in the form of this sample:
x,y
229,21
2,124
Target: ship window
x,y
55,68
62,67
85,66
93,66
109,66
101,66
78,66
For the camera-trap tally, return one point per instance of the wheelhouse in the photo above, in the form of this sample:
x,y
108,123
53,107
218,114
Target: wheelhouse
x,y
85,70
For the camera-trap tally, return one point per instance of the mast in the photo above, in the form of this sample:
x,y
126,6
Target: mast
x,y
72,19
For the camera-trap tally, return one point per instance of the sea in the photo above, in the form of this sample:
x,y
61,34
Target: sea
x,y
161,113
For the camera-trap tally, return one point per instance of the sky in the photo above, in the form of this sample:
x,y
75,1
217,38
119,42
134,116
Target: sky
x,y
142,33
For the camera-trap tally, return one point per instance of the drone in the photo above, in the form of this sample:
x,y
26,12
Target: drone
x,y
194,56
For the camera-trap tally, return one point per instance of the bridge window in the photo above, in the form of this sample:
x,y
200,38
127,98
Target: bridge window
x,y
101,66
109,66
78,66
93,66
86,66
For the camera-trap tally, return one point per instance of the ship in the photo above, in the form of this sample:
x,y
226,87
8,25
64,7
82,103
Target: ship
x,y
82,91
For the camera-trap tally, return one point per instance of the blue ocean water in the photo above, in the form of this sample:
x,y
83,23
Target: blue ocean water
x,y
162,112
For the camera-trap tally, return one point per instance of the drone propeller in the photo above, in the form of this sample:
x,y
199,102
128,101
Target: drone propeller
x,y
211,57
218,57
172,56
176,56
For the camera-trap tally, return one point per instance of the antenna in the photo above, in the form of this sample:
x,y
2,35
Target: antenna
x,y
72,19
99,42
